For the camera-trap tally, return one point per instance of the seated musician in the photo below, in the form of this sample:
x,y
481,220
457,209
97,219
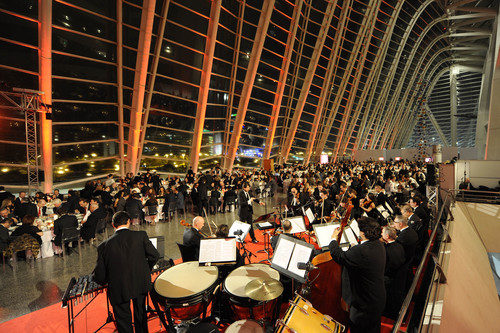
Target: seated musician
x,y
286,225
294,202
192,235
324,207
368,205
363,276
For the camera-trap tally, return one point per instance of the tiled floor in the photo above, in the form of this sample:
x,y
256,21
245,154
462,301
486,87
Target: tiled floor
x,y
28,288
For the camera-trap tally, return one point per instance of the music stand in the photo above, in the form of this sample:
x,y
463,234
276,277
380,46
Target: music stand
x,y
288,254
298,224
217,251
324,233
235,229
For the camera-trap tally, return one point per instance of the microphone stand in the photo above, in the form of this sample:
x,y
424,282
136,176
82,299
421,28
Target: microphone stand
x,y
246,253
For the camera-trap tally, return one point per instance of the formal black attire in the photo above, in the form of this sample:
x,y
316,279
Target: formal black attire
x,y
4,238
362,283
124,262
245,212
134,208
394,278
87,231
65,221
294,205
191,238
408,238
324,209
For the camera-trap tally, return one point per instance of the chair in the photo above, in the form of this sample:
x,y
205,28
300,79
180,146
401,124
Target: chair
x,y
71,234
151,214
188,253
100,228
231,203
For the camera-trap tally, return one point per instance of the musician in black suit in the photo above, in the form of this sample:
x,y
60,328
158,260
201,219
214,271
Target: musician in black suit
x,y
124,262
325,207
192,235
245,208
363,276
395,275
407,237
64,221
293,202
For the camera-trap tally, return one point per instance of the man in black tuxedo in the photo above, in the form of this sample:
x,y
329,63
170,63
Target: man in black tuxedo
x,y
363,276
124,262
88,229
325,207
407,237
394,276
192,236
245,208
381,197
294,202
64,221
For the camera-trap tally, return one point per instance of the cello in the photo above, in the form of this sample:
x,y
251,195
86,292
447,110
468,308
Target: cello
x,y
326,288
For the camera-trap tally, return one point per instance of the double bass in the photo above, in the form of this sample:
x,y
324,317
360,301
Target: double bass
x,y
326,289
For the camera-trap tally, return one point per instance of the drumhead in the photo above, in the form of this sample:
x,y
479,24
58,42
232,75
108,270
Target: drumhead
x,y
237,280
185,280
245,326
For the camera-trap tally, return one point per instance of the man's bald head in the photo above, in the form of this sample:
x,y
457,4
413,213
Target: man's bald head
x,y
198,222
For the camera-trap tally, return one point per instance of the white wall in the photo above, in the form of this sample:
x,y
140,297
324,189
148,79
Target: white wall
x,y
411,153
480,173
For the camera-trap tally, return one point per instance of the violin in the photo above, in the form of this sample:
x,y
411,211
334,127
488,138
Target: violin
x,y
189,225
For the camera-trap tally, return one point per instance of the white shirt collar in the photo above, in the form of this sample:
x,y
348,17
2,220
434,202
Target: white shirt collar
x,y
362,242
121,228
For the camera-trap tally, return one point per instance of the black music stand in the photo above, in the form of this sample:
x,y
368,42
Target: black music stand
x,y
289,252
267,243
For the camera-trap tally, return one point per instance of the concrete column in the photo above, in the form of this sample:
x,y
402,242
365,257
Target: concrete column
x,y
45,85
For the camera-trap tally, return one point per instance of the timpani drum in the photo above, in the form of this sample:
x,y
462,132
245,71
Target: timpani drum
x,y
186,289
234,286
245,326
301,317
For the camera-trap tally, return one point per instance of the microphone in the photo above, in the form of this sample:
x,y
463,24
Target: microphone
x,y
306,266
238,232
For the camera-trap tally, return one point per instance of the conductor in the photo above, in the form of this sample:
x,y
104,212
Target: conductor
x,y
124,263
246,209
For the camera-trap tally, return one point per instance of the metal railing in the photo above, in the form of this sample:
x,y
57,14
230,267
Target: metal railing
x,y
490,197
426,256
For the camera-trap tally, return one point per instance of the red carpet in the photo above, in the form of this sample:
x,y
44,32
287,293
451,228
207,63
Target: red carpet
x,y
54,318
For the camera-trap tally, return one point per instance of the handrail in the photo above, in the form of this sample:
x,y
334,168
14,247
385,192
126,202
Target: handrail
x,y
476,195
411,291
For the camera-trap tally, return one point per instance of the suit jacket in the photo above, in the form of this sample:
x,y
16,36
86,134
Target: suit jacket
x,y
133,207
65,221
124,262
395,258
88,228
327,208
191,238
408,238
362,275
245,209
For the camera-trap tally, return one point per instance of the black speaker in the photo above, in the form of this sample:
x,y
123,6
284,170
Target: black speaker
x,y
431,175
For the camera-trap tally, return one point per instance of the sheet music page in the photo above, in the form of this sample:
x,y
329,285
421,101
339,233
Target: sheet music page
x,y
217,250
238,225
283,252
324,233
380,208
300,254
265,224
310,215
355,228
154,241
389,208
350,236
297,224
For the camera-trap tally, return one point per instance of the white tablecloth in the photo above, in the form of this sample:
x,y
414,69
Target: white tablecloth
x,y
47,250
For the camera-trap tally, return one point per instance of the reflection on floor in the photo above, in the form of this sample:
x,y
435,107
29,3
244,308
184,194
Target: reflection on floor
x,y
29,288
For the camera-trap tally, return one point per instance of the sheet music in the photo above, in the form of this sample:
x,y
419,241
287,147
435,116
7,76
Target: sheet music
x,y
310,215
283,252
300,254
350,236
238,225
381,208
297,224
354,227
389,208
324,234
265,224
154,241
217,250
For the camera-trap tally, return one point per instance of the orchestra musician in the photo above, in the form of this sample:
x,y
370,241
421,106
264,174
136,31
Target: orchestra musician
x,y
294,201
368,205
363,276
124,263
324,207
192,236
245,207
